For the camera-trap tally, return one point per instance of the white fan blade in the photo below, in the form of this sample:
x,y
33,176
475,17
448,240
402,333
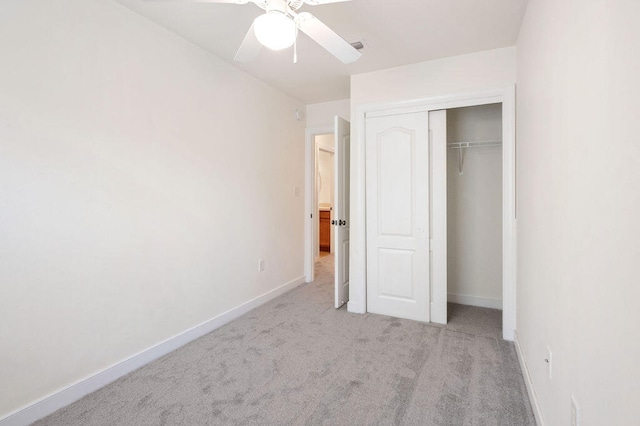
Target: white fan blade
x,y
327,38
317,2
249,48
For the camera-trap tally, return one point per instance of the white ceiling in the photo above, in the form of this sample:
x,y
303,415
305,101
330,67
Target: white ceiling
x,y
396,32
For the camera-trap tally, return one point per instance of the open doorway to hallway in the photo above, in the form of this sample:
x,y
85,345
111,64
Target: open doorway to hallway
x,y
324,264
324,193
328,204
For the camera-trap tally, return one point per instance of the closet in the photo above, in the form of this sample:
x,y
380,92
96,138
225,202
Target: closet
x,y
438,207
474,205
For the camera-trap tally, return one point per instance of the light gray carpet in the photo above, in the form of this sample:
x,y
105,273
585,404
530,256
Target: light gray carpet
x,y
299,361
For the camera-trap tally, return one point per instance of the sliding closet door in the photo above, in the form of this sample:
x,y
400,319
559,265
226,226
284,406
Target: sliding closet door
x,y
438,226
397,203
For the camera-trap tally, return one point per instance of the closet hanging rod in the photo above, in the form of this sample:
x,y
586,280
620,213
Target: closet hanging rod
x,y
464,145
476,144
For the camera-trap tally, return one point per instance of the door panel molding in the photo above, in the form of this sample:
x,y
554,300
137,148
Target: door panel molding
x,y
397,171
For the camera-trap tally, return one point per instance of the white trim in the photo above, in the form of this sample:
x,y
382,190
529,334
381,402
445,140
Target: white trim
x,y
481,302
310,237
438,216
355,307
455,100
502,94
533,397
83,387
509,222
326,149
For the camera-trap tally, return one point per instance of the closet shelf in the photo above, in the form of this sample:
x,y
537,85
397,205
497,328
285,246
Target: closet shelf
x,y
461,146
476,144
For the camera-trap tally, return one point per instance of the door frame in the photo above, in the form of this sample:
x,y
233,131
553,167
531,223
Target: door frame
x,y
310,235
502,94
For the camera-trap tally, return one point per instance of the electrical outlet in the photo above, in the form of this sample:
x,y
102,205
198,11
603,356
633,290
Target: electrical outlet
x,y
575,412
549,361
260,265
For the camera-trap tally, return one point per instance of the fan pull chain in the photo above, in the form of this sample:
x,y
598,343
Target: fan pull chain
x,y
295,47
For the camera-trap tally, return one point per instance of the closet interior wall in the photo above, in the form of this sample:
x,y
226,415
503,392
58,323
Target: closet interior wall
x,y
474,207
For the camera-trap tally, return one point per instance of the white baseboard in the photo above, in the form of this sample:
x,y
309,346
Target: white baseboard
x,y
355,307
72,393
533,397
481,302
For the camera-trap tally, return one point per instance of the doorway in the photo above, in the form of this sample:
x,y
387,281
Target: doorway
x,y
323,215
474,206
329,203
324,195
324,264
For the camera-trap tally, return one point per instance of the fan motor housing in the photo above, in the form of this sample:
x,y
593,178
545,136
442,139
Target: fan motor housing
x,y
280,5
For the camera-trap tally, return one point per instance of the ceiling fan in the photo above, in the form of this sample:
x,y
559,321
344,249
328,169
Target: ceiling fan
x,y
278,29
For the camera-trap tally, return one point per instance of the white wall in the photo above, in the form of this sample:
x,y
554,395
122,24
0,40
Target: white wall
x,y
578,203
474,208
492,68
136,194
322,114
325,168
325,141
325,177
432,78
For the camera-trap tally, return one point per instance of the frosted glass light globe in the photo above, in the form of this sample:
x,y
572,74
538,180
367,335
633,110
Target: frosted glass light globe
x,y
274,30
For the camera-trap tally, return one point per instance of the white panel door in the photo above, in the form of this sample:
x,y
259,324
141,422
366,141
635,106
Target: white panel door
x,y
397,202
341,212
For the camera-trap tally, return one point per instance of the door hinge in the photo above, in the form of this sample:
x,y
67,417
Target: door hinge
x,y
430,244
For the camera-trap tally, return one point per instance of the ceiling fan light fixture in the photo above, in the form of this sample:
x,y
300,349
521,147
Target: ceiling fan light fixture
x,y
275,30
